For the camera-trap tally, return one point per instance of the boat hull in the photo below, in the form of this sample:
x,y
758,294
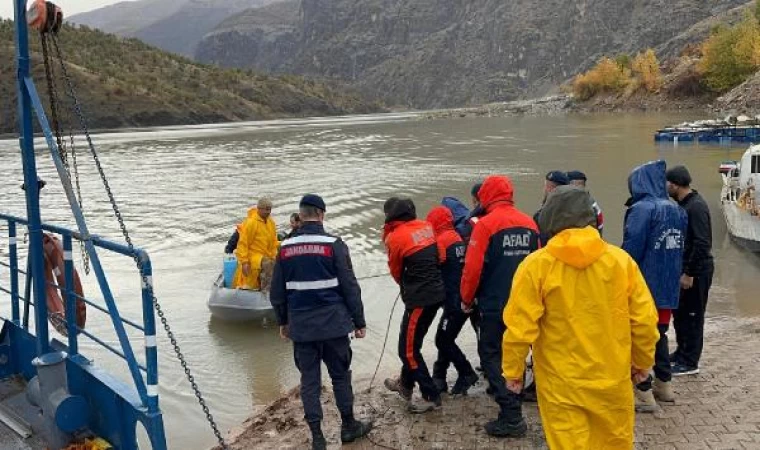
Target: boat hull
x,y
238,305
743,227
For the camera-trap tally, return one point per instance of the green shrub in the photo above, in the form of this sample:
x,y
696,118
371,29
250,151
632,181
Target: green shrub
x,y
731,55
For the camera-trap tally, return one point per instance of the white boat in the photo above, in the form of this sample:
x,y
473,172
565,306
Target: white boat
x,y
238,305
740,201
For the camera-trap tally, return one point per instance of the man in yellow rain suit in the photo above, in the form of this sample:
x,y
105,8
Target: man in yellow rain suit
x,y
257,245
585,308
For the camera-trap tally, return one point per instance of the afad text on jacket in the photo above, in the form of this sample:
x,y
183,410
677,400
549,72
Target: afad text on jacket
x,y
500,241
413,256
451,250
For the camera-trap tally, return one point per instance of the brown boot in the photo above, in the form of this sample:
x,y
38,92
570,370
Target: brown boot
x,y
663,391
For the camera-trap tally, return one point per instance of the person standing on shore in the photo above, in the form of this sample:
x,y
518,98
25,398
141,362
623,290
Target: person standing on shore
x,y
500,241
578,178
655,229
583,306
413,262
698,269
451,251
554,179
318,303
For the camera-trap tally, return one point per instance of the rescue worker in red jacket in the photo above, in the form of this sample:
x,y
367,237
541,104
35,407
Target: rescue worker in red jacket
x,y
413,262
451,250
500,241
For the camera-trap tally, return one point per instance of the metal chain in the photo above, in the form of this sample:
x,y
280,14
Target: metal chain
x,y
53,98
82,249
159,311
62,151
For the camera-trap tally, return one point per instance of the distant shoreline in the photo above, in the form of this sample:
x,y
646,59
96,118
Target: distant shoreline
x,y
542,106
566,104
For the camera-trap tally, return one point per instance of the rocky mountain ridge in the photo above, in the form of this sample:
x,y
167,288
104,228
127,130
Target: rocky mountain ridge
x,y
176,25
442,53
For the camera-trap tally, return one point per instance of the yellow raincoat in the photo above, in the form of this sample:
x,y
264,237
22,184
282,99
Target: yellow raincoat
x,y
258,240
585,308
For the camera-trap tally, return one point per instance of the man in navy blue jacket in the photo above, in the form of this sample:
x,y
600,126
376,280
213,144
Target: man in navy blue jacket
x,y
318,303
655,229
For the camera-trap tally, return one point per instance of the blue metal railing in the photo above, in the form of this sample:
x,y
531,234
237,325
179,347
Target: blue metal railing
x,y
147,387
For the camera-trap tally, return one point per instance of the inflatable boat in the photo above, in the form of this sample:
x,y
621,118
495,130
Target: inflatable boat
x,y
238,305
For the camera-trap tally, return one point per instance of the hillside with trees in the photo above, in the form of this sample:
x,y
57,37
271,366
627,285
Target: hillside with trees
x,y
125,82
722,70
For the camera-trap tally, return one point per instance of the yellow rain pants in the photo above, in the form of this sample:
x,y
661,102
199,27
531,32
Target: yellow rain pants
x,y
258,240
584,307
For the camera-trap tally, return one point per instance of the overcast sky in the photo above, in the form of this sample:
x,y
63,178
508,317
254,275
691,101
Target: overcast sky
x,y
70,7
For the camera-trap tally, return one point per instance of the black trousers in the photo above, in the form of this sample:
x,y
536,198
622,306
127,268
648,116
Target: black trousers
x,y
662,369
336,354
414,327
689,320
449,352
492,330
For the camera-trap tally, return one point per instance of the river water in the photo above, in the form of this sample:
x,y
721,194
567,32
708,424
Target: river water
x,y
183,189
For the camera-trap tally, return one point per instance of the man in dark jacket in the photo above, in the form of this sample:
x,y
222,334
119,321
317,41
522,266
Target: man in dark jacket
x,y
698,268
578,178
655,229
552,181
413,262
451,259
500,241
295,224
318,303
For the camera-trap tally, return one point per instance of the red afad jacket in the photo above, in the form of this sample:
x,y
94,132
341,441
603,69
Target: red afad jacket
x,y
500,241
413,262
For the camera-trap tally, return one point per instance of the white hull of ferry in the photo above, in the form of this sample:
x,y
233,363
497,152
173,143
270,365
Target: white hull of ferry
x,y
743,227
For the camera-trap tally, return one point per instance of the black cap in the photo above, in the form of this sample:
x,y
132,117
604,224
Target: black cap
x,y
575,175
557,177
475,189
679,175
313,200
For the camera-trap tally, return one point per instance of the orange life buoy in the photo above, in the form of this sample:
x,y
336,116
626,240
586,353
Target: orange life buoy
x,y
36,17
54,273
44,16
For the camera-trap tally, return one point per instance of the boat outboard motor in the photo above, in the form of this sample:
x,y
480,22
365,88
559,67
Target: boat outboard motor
x,y
61,414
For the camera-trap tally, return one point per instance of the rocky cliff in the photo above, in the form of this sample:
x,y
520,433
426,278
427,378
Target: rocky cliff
x,y
439,53
172,25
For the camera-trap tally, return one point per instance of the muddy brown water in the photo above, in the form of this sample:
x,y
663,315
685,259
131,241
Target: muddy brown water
x,y
182,191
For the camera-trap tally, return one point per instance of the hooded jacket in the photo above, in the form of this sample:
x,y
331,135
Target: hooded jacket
x,y
464,219
451,250
412,255
460,215
500,240
654,233
583,306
